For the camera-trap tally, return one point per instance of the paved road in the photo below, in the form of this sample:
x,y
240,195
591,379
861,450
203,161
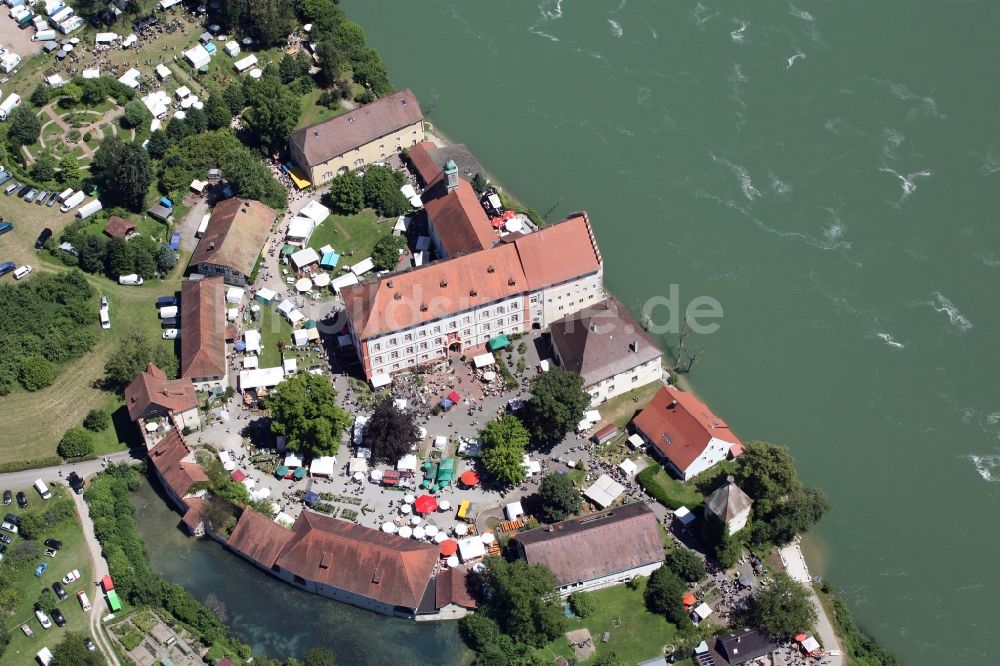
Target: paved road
x,y
58,473
827,636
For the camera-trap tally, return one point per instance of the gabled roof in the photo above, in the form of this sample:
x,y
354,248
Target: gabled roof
x,y
331,138
197,509
422,159
358,559
451,588
728,501
175,464
742,646
444,287
118,227
599,544
259,538
235,235
203,328
602,341
680,426
457,217
427,160
151,388
559,252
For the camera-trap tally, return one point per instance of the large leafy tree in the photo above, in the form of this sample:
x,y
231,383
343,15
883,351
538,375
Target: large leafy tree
x,y
783,608
330,60
559,497
346,195
24,128
381,189
390,432
77,442
71,651
663,595
686,564
523,601
132,355
123,172
304,409
504,442
217,112
556,406
385,254
273,113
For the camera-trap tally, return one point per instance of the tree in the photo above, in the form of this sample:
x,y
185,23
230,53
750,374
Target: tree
x,y
251,179
349,39
792,515
523,600
166,259
24,128
504,441
119,259
41,95
479,183
217,112
145,264
304,409
390,432
97,420
46,600
132,355
269,21
556,406
273,113
728,549
385,254
69,170
688,566
663,595
133,176
369,70
609,659
582,604
766,472
36,373
783,608
71,651
560,498
290,68
381,190
319,656
77,442
44,167
93,251
330,60
136,113
346,195
237,101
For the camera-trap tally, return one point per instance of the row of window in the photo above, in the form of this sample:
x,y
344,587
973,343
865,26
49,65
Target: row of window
x,y
393,362
466,320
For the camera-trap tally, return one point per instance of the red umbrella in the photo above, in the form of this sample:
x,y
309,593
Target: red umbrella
x,y
449,548
688,599
469,478
455,397
425,504
238,475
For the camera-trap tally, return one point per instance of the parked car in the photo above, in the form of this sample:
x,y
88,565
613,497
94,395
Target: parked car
x,y
75,482
165,302
58,618
55,544
8,527
89,643
27,630
8,497
42,196
22,272
6,226
60,591
5,176
170,334
7,267
13,187
70,577
43,619
23,191
168,323
51,552
42,237
104,301
6,538
52,199
13,519
40,569
105,319
30,196
132,279
22,500
84,600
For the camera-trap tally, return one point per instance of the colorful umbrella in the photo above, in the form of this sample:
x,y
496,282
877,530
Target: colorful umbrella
x,y
425,504
449,547
469,478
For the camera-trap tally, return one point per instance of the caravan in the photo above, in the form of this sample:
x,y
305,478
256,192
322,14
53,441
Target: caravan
x,y
9,104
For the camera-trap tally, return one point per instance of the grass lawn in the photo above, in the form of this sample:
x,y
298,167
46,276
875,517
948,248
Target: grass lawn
x,y
313,112
641,634
620,410
683,494
273,329
73,555
352,233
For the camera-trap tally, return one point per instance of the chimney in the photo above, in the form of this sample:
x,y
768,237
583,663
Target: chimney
x,y
490,269
511,282
388,283
444,283
451,174
211,246
397,296
473,292
633,346
423,307
593,327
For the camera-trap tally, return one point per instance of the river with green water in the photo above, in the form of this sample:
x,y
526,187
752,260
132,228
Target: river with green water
x,y
828,172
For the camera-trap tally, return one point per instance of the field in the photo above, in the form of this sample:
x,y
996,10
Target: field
x,y
74,393
641,634
273,329
352,236
620,410
73,555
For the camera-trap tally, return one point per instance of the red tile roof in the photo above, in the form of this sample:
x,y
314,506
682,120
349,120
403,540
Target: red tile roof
x,y
444,287
195,514
458,218
334,137
559,252
358,559
152,394
451,588
680,426
235,235
175,464
203,328
595,545
423,162
259,538
118,227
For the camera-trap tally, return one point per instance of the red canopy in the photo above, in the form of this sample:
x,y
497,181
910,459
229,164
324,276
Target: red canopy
x,y
449,548
238,475
688,599
454,397
425,504
107,584
799,637
469,478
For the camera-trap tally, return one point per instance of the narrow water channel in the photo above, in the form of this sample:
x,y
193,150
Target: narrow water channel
x,y
276,619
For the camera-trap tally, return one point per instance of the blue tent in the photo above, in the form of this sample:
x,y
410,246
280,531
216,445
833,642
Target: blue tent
x,y
446,404
166,202
310,498
329,260
240,345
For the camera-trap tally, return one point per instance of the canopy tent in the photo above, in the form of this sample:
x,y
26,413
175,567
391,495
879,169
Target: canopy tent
x,y
407,463
300,229
688,599
237,475
389,528
245,63
252,340
452,561
322,466
684,515
310,498
380,379
702,611
448,547
592,415
405,509
163,71
425,504
288,250
408,191
431,530
315,211
629,467
260,378
471,548
444,505
344,281
498,342
330,259
303,284
745,579
469,478
455,397
487,538
197,56
440,537
461,529
635,441
363,266
604,491
357,465
293,461
240,346
282,472
131,78
304,258
809,645
234,295
265,295
250,362
321,279
513,511
483,360
402,224
415,520
299,473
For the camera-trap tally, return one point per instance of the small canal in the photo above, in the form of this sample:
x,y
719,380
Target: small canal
x,y
276,619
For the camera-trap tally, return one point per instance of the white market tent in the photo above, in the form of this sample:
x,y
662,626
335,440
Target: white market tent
x,y
471,548
266,294
197,56
343,281
402,224
158,103
167,4
604,491
421,258
629,467
407,463
286,307
245,63
702,611
232,314
105,38
323,466
290,366
300,229
357,465
261,378
129,41
182,92
130,78
362,266
163,72
684,515
303,284
300,337
250,362
284,519
416,202
809,645
635,441
321,279
315,211
592,415
227,461
234,295
513,511
408,191
380,379
483,360
405,531
292,461
232,48
252,340
303,258
389,528
94,73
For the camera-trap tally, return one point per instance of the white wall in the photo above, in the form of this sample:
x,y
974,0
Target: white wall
x,y
610,580
555,302
624,382
714,453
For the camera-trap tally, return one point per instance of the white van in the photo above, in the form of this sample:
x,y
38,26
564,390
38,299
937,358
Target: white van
x,y
131,278
168,311
44,656
44,36
43,489
84,601
65,194
12,102
22,272
72,201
